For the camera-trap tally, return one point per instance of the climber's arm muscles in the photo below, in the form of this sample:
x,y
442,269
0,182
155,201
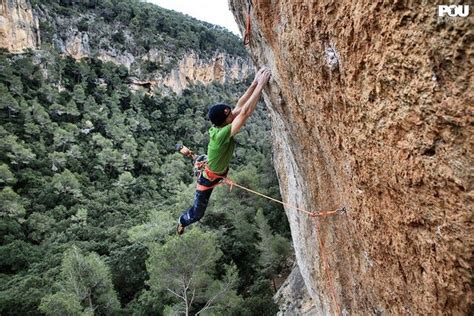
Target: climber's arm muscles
x,y
237,124
246,110
249,106
244,99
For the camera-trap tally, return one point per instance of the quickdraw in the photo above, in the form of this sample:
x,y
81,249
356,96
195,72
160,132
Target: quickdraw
x,y
247,24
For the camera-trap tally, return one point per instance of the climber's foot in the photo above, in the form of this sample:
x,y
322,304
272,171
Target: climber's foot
x,y
180,229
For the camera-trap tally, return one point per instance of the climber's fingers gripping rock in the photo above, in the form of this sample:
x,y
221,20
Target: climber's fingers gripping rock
x,y
259,74
264,78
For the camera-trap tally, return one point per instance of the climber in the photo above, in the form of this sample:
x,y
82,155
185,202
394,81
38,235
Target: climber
x,y
227,122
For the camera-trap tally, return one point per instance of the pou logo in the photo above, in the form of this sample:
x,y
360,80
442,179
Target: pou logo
x,y
453,10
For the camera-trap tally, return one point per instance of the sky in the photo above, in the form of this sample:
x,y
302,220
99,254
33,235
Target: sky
x,y
212,11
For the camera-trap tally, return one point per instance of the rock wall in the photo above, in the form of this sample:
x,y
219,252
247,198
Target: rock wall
x,y
293,298
191,68
220,68
19,27
371,104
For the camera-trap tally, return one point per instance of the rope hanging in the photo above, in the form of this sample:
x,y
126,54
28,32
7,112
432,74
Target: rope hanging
x,y
339,211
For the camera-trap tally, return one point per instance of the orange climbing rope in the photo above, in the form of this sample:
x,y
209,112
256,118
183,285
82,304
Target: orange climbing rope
x,y
311,214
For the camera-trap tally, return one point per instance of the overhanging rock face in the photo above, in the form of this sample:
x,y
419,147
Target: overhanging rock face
x,y
371,104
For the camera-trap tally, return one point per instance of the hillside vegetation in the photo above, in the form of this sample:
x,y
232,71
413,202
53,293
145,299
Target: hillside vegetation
x,y
151,38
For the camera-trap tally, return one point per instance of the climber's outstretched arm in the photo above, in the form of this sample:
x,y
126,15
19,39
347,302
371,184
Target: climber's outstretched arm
x,y
248,108
248,93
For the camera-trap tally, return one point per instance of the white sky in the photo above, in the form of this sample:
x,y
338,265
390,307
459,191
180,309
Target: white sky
x,y
212,11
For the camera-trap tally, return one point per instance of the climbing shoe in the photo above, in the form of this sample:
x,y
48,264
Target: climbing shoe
x,y
180,229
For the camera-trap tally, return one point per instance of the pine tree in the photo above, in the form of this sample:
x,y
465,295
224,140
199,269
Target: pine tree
x,y
85,287
185,266
274,249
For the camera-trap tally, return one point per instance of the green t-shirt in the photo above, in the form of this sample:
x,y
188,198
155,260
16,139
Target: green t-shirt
x,y
220,149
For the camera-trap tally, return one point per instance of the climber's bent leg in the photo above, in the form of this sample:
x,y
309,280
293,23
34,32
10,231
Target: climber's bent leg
x,y
201,199
196,212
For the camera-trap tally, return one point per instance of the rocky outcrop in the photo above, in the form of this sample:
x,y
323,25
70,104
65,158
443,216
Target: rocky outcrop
x,y
293,298
221,68
371,104
72,42
190,69
19,27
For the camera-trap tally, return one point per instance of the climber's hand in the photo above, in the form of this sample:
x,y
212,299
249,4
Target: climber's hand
x,y
264,78
259,74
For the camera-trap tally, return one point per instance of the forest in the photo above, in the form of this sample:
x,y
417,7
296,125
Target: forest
x,y
91,190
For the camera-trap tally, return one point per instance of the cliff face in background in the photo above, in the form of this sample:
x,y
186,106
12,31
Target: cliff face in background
x,y
220,68
19,27
371,105
80,36
191,68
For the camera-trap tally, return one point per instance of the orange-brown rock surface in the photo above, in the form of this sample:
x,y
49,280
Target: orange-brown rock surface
x,y
371,104
19,27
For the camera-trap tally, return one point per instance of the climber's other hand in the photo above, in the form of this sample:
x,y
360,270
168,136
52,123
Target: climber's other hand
x,y
264,78
259,74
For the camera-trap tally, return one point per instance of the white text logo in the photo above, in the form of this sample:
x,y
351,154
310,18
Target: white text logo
x,y
453,10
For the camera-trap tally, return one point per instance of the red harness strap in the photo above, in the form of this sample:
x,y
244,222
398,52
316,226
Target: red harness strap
x,y
212,177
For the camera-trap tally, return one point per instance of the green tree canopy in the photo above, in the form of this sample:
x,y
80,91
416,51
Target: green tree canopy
x,y
185,267
85,287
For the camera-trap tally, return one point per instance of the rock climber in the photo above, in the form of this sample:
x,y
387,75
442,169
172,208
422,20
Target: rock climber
x,y
227,122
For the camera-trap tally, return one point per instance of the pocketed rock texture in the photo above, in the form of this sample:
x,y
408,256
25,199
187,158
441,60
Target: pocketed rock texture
x,y
19,27
371,104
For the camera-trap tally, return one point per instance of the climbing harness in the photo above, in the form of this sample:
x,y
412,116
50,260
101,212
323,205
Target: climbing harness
x,y
199,163
215,178
247,24
200,166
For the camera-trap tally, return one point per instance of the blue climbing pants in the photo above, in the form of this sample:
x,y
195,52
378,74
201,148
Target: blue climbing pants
x,y
201,199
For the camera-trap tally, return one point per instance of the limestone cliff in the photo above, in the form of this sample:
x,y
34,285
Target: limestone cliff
x,y
191,68
84,34
19,27
220,68
371,104
293,298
